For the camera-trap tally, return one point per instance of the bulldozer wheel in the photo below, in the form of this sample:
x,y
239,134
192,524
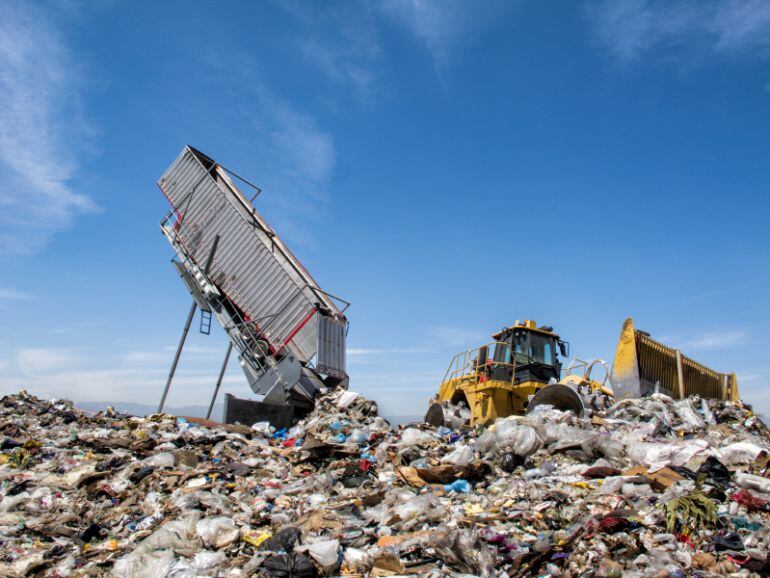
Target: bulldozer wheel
x,y
560,397
435,415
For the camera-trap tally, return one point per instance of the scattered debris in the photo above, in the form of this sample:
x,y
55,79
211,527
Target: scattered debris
x,y
641,489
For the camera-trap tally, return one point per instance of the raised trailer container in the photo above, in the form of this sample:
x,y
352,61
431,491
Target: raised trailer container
x,y
289,333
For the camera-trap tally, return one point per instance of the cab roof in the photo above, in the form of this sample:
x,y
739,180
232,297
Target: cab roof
x,y
526,325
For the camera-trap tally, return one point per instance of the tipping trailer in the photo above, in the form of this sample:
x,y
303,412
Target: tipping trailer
x,y
288,333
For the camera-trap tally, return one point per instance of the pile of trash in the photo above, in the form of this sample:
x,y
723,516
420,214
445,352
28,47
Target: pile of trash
x,y
651,487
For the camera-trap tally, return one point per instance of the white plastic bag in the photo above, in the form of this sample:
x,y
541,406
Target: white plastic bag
x,y
743,452
752,482
357,559
326,552
161,460
413,437
420,507
461,456
517,435
485,442
263,428
144,565
357,437
347,398
688,415
217,532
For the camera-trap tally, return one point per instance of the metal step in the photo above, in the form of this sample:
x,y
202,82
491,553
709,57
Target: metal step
x,y
205,322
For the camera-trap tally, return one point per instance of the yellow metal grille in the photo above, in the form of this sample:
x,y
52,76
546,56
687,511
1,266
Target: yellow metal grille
x,y
658,364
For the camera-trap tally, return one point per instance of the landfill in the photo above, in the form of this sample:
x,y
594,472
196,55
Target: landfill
x,y
645,487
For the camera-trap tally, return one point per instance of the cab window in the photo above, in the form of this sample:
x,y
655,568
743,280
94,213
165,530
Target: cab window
x,y
502,353
541,349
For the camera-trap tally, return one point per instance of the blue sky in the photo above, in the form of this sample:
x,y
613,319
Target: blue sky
x,y
449,167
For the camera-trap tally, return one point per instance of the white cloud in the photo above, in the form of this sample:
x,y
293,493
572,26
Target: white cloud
x,y
134,376
742,25
39,130
46,360
292,155
686,30
10,294
360,351
308,152
443,26
715,340
342,42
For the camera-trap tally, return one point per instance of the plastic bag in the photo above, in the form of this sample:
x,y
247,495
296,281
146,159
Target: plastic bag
x,y
347,398
357,560
458,486
358,437
422,507
658,455
326,553
461,456
144,565
289,566
161,460
743,452
517,435
688,415
413,437
177,535
217,532
263,428
485,442
752,482
203,564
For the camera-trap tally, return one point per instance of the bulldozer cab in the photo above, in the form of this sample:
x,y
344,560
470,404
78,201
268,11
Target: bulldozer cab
x,y
525,352
503,377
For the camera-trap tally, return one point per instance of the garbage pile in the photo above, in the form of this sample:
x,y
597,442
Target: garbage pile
x,y
651,487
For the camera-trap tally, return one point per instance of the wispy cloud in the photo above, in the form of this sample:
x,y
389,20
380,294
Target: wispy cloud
x,y
683,30
713,340
10,294
293,155
40,126
39,361
742,26
88,374
309,152
341,41
444,27
361,351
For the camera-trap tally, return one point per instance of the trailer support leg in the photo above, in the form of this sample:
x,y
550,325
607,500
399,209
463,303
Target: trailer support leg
x,y
186,329
176,356
219,379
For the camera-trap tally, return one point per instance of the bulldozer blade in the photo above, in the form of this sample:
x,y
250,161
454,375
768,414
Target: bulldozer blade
x,y
560,397
625,369
643,366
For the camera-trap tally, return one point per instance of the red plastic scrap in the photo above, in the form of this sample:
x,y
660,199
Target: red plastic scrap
x,y
746,498
607,525
289,442
739,559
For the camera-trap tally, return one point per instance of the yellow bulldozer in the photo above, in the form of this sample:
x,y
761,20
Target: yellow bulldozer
x,y
522,369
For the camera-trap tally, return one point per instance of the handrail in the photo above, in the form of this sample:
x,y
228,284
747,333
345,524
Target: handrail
x,y
577,363
466,362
